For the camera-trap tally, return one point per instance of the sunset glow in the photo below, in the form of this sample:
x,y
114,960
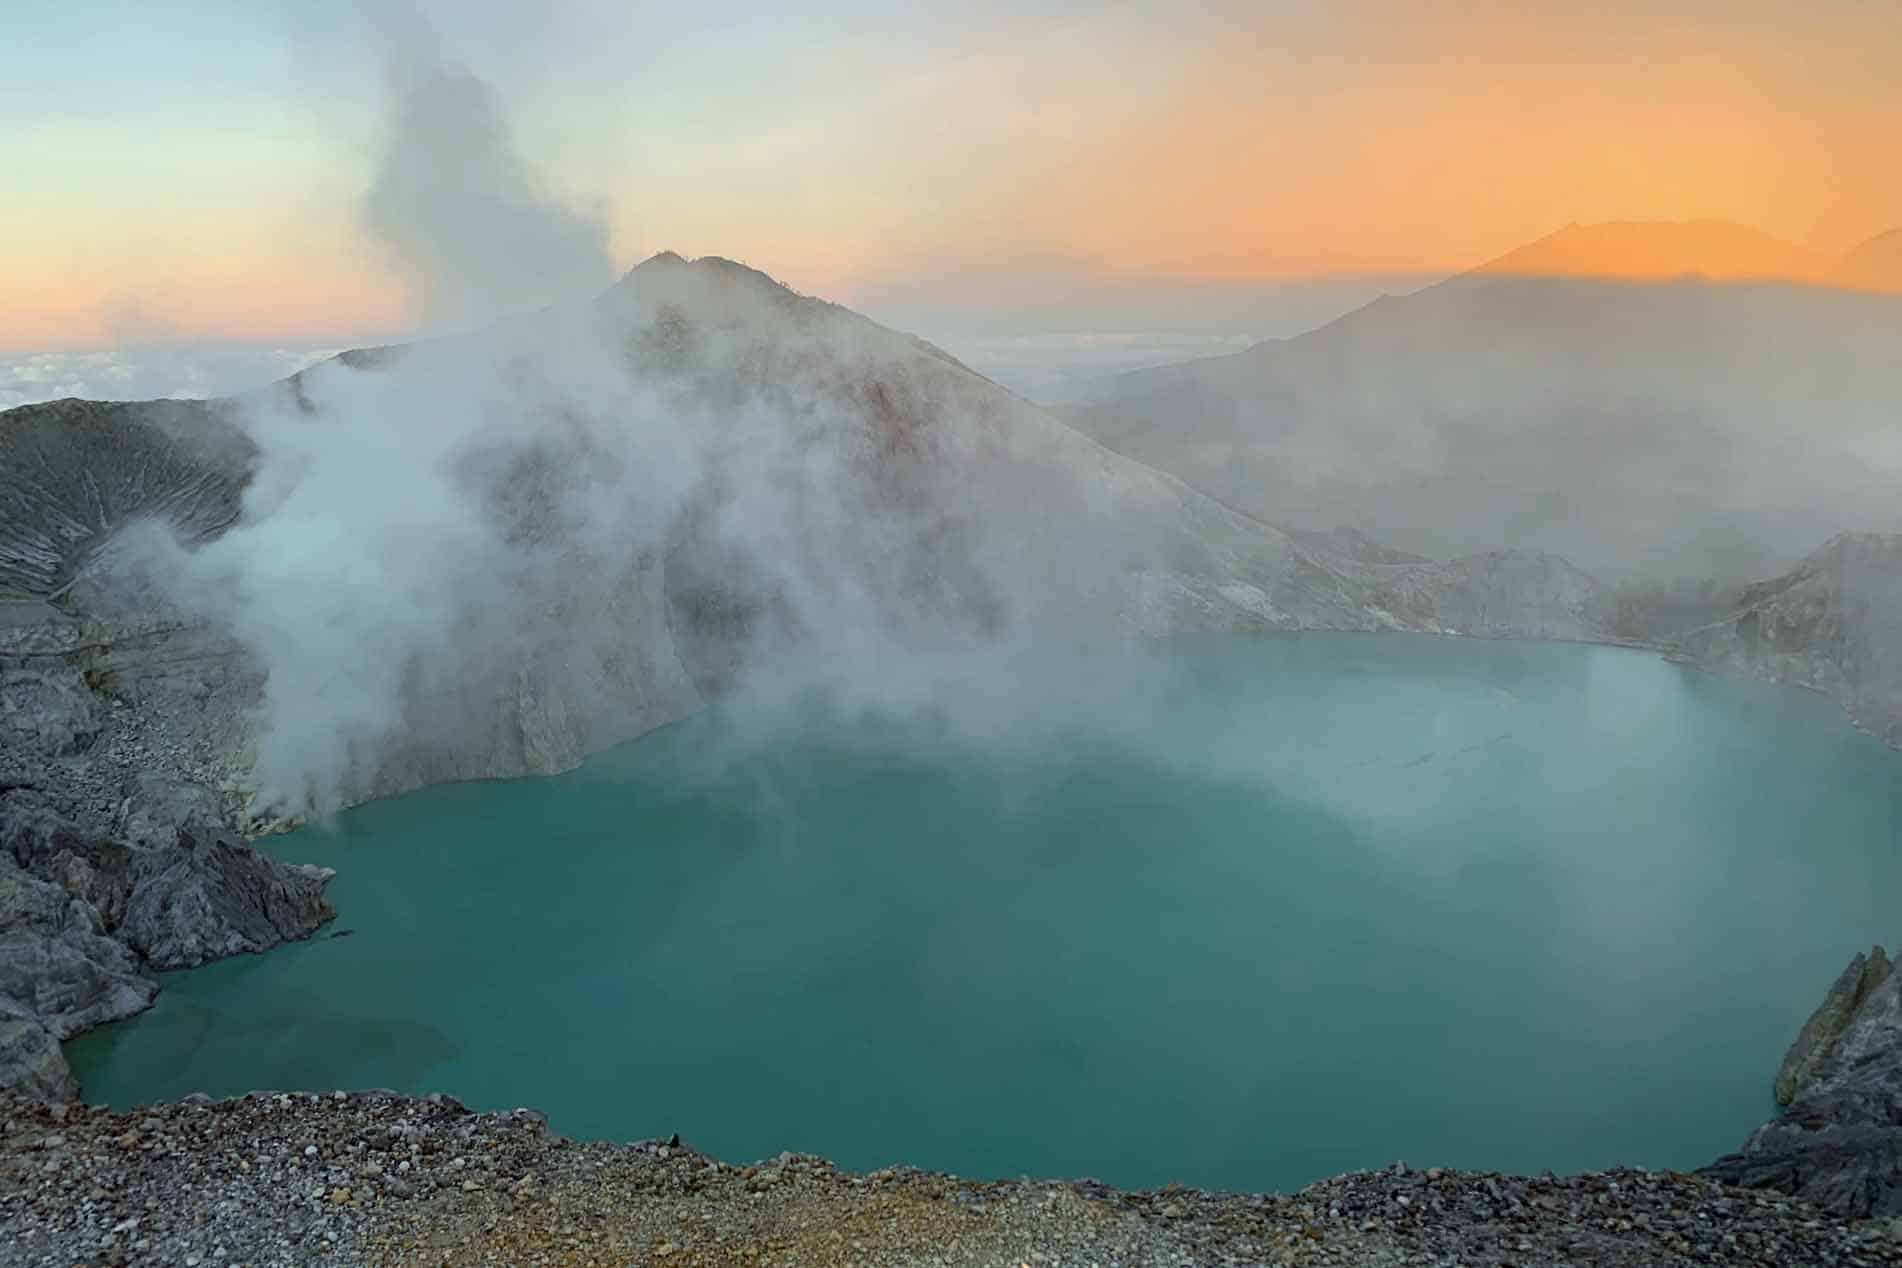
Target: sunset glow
x,y
187,170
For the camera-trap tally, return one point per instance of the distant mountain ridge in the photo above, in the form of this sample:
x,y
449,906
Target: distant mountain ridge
x,y
1674,425
1707,250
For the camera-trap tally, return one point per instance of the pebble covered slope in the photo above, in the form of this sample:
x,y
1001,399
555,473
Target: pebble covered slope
x,y
378,1179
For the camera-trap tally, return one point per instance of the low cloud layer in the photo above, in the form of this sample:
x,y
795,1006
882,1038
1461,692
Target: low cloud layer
x,y
144,372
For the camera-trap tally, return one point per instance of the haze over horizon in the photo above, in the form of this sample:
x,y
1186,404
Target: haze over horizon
x,y
213,173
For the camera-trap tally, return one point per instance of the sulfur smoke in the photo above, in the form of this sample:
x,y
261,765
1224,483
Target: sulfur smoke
x,y
501,551
460,213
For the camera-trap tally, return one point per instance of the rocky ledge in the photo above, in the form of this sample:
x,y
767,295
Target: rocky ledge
x,y
84,918
375,1178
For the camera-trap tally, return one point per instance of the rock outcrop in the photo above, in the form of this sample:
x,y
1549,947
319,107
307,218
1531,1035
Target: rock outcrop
x,y
1817,1041
59,975
215,896
1839,1142
82,918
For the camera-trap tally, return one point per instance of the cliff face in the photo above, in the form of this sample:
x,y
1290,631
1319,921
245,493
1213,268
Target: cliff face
x,y
1839,1142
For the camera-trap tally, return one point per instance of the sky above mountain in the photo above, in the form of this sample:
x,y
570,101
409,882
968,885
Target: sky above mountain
x,y
298,170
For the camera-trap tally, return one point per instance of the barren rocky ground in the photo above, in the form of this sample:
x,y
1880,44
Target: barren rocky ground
x,y
376,1179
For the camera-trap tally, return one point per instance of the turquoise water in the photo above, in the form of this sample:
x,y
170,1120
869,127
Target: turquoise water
x,y
1239,912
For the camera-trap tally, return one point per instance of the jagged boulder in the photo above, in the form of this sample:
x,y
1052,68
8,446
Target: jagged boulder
x,y
31,1062
52,847
82,916
1817,1040
59,974
56,961
46,714
1839,1144
213,895
195,893
157,808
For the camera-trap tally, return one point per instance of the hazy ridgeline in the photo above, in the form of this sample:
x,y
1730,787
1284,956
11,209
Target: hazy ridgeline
x,y
1650,430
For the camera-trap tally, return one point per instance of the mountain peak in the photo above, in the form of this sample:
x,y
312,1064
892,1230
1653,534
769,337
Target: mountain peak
x,y
1877,263
708,285
1664,250
659,260
707,268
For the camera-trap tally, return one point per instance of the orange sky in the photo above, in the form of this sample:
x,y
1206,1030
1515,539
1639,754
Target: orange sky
x,y
1129,141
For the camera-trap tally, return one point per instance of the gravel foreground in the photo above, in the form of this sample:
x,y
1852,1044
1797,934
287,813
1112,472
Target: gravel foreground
x,y
377,1179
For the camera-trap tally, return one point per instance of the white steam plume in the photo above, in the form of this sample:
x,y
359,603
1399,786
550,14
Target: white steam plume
x,y
461,215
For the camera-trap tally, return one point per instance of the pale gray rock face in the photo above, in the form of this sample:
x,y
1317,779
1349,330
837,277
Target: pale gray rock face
x,y
31,1062
157,809
1498,594
1832,624
76,471
200,895
59,975
56,960
1839,1143
1818,1039
46,715
213,896
82,918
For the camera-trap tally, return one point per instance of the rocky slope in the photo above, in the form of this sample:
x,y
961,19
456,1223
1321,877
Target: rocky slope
x,y
1832,624
373,1178
75,471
